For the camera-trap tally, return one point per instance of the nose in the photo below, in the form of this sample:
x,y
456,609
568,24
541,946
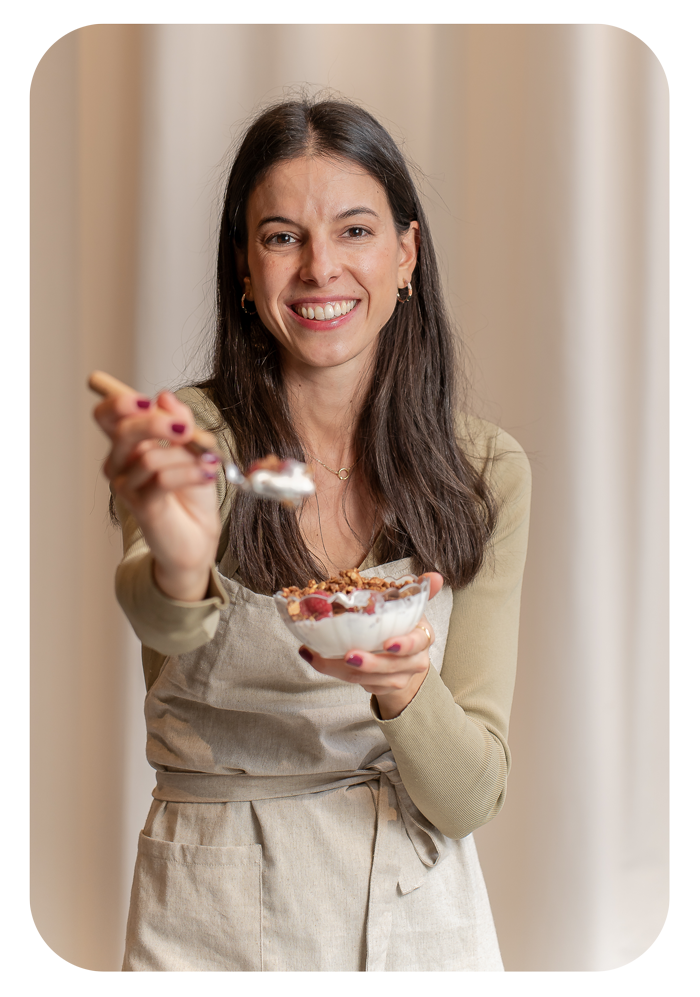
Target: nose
x,y
320,264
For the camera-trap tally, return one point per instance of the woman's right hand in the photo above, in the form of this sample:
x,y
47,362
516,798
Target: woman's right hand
x,y
170,492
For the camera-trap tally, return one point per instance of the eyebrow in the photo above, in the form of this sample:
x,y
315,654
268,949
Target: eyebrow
x,y
350,213
275,218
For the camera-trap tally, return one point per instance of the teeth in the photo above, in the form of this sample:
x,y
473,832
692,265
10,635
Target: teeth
x,y
324,312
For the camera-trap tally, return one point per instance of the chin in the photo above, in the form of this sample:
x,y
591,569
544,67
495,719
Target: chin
x,y
337,359
322,355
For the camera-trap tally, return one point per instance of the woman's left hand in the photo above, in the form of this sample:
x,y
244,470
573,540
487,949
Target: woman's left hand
x,y
395,676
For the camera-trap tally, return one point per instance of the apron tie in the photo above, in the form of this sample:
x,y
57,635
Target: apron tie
x,y
396,813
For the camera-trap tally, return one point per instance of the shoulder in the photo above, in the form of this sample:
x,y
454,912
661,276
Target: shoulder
x,y
204,409
496,453
505,465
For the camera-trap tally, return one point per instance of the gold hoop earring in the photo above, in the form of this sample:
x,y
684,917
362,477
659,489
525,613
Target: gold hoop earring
x,y
245,310
405,294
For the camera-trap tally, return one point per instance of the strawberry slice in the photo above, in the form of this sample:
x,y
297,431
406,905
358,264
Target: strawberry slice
x,y
317,607
269,463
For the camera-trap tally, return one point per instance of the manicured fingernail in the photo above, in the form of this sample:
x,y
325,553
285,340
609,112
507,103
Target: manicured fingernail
x,y
394,648
143,402
306,655
210,458
209,475
354,659
178,427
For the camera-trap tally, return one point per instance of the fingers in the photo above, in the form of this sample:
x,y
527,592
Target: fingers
x,y
116,407
168,469
419,639
166,408
436,581
131,432
139,468
359,669
130,423
379,673
167,401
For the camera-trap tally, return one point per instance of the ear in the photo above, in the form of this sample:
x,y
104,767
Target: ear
x,y
409,243
241,265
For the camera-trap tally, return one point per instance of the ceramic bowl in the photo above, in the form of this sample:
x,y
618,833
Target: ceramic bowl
x,y
366,620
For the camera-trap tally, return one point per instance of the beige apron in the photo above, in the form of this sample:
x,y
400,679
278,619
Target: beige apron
x,y
281,836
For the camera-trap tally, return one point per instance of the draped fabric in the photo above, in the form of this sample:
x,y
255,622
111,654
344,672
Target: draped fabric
x,y
542,152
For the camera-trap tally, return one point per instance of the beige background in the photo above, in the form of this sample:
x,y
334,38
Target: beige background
x,y
544,151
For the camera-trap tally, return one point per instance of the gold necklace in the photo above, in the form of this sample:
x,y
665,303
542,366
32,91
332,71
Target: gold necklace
x,y
343,473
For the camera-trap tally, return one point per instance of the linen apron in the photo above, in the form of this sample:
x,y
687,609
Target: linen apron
x,y
281,837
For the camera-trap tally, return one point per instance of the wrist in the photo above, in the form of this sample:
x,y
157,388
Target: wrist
x,y
391,704
182,584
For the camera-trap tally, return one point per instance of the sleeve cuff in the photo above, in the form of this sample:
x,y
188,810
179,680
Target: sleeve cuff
x,y
164,624
432,696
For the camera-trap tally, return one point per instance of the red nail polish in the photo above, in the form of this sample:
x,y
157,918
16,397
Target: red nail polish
x,y
354,659
394,648
210,458
209,475
178,427
143,403
306,655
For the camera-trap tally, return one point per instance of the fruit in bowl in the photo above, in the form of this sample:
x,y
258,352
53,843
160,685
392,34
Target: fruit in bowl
x,y
350,612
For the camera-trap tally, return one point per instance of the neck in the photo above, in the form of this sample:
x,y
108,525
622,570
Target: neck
x,y
325,403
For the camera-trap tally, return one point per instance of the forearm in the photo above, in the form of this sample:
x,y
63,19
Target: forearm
x,y
450,741
185,586
453,767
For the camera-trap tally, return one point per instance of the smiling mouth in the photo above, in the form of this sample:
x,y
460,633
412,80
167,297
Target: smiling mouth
x,y
327,310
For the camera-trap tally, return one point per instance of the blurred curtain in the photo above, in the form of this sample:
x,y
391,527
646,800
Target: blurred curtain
x,y
543,155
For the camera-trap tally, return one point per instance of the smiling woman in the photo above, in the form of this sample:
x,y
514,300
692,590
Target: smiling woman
x,y
333,268
313,813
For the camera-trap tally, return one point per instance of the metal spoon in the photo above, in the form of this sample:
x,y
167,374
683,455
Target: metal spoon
x,y
292,483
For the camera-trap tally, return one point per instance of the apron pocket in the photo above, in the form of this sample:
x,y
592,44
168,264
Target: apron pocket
x,y
195,907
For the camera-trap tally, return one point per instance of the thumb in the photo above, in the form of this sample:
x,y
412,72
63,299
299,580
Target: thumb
x,y
436,581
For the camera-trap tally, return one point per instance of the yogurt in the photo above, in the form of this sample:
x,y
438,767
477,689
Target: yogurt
x,y
390,615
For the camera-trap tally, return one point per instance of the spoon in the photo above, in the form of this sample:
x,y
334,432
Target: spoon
x,y
288,485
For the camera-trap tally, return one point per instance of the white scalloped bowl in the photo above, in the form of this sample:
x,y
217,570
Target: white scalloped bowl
x,y
333,636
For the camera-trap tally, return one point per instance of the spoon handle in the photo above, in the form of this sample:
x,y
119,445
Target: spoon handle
x,y
108,386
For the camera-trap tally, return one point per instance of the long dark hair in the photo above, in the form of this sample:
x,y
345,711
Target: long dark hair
x,y
433,503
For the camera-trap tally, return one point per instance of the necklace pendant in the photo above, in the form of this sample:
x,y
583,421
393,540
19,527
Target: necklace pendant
x,y
343,473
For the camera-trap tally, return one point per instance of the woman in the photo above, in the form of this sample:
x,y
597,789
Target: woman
x,y
314,814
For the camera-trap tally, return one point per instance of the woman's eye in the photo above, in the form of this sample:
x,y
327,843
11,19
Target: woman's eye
x,y
280,239
357,231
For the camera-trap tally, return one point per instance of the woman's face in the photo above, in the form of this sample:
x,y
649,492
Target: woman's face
x,y
322,241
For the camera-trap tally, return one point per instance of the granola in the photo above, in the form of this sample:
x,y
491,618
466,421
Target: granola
x,y
345,583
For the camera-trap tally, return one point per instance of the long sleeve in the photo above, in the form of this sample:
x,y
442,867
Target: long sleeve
x,y
450,742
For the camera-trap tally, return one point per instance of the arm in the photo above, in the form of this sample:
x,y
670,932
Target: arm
x,y
450,741
165,625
